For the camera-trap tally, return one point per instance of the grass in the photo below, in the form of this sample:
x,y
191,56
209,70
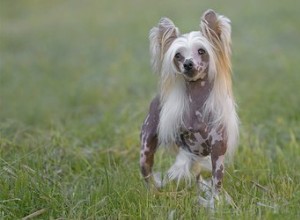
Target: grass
x,y
75,84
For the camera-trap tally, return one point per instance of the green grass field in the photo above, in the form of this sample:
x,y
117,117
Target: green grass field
x,y
75,85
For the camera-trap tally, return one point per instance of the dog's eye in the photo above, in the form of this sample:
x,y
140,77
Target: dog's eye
x,y
177,56
201,51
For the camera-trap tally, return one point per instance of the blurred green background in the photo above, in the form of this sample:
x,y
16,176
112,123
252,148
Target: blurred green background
x,y
75,85
62,59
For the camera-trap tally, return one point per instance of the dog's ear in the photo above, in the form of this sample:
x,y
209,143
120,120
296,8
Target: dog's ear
x,y
209,24
216,28
161,38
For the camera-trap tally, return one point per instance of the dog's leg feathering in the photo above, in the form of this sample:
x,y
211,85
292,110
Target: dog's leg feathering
x,y
181,169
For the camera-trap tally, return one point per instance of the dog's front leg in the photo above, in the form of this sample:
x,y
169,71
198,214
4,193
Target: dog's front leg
x,y
217,158
148,148
149,140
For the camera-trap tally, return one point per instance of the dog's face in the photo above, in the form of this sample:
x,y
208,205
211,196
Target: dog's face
x,y
191,56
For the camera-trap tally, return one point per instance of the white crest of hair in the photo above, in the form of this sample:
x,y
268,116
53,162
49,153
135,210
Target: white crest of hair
x,y
220,104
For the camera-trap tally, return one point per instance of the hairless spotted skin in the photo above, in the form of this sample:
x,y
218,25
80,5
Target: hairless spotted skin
x,y
195,136
195,109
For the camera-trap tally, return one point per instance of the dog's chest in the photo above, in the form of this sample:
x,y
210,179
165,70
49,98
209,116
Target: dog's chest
x,y
196,135
199,141
193,135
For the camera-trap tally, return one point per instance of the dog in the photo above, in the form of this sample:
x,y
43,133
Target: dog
x,y
195,110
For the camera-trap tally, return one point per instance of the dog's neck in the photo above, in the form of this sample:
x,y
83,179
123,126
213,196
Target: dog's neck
x,y
198,91
183,107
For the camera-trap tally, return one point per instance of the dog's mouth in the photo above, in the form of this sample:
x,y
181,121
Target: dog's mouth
x,y
194,75
194,72
189,74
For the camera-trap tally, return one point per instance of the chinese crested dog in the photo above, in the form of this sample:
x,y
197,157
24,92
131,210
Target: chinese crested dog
x,y
195,110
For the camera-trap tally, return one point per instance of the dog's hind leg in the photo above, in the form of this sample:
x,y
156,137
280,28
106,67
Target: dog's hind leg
x,y
149,140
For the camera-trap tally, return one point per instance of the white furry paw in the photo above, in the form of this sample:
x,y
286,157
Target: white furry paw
x,y
212,200
207,203
205,187
159,180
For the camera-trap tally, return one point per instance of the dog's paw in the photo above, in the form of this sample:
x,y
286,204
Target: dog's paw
x,y
158,180
212,201
204,187
207,203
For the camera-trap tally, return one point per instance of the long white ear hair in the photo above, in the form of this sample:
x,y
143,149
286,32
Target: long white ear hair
x,y
172,90
161,37
217,29
220,104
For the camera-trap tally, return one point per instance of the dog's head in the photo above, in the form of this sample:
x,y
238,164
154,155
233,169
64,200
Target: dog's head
x,y
193,55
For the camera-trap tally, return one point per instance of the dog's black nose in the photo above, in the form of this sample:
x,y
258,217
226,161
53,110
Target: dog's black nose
x,y
188,65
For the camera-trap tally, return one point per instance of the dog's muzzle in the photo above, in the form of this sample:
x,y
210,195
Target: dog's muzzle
x,y
188,65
